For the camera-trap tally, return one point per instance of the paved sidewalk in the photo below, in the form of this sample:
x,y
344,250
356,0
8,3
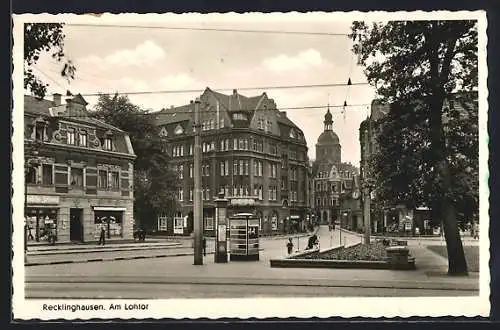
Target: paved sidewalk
x,y
81,248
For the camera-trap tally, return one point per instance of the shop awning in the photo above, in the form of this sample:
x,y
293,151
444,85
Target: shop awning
x,y
109,208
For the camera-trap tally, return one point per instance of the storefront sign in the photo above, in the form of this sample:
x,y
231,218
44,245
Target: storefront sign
x,y
243,202
42,199
295,217
109,208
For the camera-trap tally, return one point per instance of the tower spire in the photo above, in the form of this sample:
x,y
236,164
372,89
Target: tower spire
x,y
328,120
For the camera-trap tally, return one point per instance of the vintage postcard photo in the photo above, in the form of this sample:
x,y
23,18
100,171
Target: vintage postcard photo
x,y
250,165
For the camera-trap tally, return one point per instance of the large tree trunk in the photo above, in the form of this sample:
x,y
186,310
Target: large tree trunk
x,y
456,257
457,264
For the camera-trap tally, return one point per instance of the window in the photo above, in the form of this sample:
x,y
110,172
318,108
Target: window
x,y
239,116
190,170
190,149
103,179
235,167
273,193
114,180
70,136
257,168
76,177
47,174
82,139
273,149
260,123
178,130
191,194
241,167
108,145
269,126
209,223
40,131
180,194
221,123
241,144
235,144
245,144
31,175
273,170
247,167
180,171
224,168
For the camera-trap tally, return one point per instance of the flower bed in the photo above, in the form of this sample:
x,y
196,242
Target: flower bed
x,y
371,252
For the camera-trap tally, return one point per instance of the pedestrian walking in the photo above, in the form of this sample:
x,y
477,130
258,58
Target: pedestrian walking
x,y
204,246
475,230
289,246
102,237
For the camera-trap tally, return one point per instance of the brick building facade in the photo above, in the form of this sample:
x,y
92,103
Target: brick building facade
x,y
78,173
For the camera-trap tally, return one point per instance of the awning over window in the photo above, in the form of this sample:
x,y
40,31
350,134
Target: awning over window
x,y
109,208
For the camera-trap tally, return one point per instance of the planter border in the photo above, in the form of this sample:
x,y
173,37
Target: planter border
x,y
294,261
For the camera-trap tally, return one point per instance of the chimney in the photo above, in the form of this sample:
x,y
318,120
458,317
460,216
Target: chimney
x,y
57,99
191,102
235,91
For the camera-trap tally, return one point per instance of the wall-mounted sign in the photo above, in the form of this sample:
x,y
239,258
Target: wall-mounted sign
x,y
42,199
242,201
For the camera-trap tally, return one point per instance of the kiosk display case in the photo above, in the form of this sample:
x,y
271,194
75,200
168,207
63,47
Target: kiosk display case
x,y
244,237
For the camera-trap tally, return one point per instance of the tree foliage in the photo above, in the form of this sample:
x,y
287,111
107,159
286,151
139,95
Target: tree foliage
x,y
41,38
426,146
155,183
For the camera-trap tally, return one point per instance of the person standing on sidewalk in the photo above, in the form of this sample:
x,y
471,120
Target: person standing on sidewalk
x,y
204,246
102,237
289,246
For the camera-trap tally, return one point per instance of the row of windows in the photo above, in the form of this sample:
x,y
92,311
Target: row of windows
x,y
72,137
324,186
327,202
240,167
44,175
211,124
236,144
235,191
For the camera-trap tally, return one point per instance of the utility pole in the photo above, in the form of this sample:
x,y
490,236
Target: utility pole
x,y
198,203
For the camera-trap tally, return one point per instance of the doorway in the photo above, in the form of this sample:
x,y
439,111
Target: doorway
x,y
76,225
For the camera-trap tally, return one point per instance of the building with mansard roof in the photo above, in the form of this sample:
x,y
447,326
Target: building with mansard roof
x,y
78,173
251,151
335,184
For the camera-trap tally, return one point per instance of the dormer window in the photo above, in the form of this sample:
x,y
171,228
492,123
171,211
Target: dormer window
x,y
40,131
108,144
82,139
70,136
178,130
163,132
292,134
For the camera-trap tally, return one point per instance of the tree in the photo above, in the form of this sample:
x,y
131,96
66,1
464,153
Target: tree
x,y
416,66
40,38
155,183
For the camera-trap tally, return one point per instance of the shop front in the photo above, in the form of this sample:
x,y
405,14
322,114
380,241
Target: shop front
x,y
111,218
42,213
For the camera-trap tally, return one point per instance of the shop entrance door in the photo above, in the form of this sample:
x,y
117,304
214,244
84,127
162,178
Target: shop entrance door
x,y
76,225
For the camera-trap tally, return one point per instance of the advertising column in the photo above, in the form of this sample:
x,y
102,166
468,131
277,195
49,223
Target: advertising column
x,y
220,255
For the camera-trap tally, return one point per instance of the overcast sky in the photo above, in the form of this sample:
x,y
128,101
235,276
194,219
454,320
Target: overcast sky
x,y
131,59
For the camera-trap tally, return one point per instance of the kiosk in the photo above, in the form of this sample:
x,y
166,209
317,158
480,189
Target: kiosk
x,y
244,237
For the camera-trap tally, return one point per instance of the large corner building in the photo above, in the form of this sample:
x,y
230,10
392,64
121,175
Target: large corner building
x,y
251,152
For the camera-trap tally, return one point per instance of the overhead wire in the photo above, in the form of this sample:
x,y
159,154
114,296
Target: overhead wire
x,y
159,27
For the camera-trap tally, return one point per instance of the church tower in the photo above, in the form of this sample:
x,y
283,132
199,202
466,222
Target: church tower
x,y
328,149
